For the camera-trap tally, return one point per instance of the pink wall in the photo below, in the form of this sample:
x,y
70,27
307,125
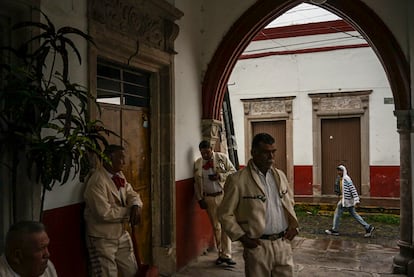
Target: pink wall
x,y
194,231
67,241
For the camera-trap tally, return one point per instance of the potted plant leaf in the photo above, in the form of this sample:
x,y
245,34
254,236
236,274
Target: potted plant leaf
x,y
44,121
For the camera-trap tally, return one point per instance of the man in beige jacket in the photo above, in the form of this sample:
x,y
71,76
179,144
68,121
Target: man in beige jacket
x,y
210,173
258,210
111,204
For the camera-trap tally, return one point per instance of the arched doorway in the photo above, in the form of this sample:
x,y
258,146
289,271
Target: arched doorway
x,y
382,41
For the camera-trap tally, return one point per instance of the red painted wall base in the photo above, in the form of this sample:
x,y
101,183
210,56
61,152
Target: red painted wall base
x,y
385,181
67,240
194,231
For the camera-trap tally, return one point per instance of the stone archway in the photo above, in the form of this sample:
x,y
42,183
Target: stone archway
x,y
389,52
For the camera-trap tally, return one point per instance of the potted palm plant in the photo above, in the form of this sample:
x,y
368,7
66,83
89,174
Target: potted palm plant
x,y
44,122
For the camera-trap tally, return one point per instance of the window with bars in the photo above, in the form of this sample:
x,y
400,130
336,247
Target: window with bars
x,y
122,86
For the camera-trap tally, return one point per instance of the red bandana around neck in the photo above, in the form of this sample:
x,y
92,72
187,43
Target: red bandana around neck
x,y
209,164
119,181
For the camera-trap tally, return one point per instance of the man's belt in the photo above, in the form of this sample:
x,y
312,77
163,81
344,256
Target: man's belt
x,y
214,194
273,236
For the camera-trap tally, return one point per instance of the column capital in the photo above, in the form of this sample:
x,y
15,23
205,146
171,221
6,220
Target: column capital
x,y
210,130
405,120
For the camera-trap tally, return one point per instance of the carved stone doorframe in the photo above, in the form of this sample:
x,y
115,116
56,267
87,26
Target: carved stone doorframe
x,y
141,34
270,109
340,105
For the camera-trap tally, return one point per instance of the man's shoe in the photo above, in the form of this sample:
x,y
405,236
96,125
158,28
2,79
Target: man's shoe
x,y
369,231
332,232
229,261
219,261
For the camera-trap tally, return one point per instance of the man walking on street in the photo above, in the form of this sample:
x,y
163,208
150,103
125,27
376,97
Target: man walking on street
x,y
349,198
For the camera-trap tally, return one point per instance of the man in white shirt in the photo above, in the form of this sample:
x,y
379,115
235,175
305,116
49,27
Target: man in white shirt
x,y
26,252
258,210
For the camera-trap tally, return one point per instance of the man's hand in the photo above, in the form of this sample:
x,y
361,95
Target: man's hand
x,y
291,233
213,177
135,215
249,242
202,203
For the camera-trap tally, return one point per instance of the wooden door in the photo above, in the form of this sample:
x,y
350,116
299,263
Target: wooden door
x,y
124,95
341,144
135,137
137,146
276,129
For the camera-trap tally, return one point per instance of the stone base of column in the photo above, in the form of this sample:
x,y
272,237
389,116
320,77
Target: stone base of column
x,y
403,263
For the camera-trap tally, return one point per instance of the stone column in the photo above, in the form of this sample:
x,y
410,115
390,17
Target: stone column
x,y
404,262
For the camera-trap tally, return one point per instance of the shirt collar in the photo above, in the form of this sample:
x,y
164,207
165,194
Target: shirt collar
x,y
110,175
3,257
255,168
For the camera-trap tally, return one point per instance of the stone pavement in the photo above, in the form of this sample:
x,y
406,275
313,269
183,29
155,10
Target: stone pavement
x,y
313,258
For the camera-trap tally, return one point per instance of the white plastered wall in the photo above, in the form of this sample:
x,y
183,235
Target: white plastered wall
x,y
69,13
187,88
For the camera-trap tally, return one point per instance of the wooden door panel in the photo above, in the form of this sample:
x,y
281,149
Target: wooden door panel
x,y
277,129
136,138
129,124
111,118
341,144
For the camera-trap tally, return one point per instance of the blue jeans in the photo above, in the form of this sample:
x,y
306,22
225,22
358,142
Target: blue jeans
x,y
340,210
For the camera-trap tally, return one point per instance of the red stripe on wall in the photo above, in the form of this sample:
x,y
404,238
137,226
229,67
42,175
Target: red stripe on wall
x,y
67,244
310,29
303,179
194,231
385,181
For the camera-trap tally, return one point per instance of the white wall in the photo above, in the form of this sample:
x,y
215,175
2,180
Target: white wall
x,y
69,13
396,15
301,74
187,88
217,18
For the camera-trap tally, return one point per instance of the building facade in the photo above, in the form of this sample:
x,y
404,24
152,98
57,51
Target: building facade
x,y
321,89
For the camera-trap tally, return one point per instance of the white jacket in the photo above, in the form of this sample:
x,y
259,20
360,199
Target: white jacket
x,y
349,193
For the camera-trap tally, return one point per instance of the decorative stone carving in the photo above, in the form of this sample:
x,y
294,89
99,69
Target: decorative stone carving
x,y
339,103
211,130
142,19
246,107
171,33
328,102
405,120
267,107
